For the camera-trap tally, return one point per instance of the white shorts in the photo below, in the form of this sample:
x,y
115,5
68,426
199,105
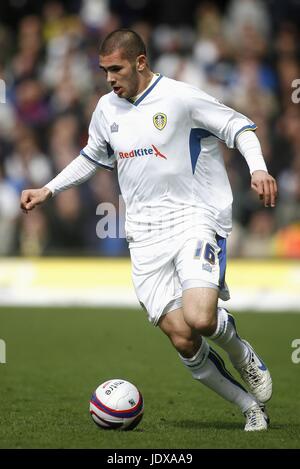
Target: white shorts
x,y
162,271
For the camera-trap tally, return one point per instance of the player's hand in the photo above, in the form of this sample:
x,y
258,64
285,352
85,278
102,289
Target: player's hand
x,y
30,198
265,186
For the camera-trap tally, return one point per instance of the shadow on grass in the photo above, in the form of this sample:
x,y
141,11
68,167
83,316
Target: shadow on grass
x,y
192,424
288,428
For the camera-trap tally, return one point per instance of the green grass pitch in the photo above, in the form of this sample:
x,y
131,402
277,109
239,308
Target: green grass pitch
x,y
57,357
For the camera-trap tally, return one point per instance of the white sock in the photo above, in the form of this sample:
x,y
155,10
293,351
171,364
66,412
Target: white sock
x,y
208,368
228,339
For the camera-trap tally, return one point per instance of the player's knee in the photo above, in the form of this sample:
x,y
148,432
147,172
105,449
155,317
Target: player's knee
x,y
204,324
184,345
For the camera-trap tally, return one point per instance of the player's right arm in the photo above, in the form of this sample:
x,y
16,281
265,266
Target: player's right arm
x,y
78,171
30,198
96,154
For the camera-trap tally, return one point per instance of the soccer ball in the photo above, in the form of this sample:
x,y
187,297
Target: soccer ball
x,y
117,404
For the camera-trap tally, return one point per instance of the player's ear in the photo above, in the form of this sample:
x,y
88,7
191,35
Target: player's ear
x,y
141,62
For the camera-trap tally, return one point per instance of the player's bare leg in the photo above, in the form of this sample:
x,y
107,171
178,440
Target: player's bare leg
x,y
208,367
201,312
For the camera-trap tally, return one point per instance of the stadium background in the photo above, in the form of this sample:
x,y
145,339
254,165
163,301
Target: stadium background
x,y
244,52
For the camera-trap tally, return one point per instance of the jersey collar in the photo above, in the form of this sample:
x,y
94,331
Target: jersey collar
x,y
148,90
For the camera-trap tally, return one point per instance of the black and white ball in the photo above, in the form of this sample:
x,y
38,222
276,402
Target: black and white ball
x,y
117,404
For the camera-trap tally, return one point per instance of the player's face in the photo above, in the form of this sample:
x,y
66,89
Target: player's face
x,y
122,75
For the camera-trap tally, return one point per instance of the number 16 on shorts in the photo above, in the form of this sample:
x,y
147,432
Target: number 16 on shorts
x,y
205,250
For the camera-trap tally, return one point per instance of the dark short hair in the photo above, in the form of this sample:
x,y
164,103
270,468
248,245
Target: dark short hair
x,y
127,40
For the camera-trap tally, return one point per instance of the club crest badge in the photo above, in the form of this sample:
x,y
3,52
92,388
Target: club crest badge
x,y
160,120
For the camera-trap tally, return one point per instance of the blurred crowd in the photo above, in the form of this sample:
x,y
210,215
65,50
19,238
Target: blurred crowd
x,y
244,52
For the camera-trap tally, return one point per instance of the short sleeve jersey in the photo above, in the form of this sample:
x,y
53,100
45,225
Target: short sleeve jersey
x,y
166,146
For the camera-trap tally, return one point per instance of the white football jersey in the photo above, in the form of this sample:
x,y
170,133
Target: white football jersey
x,y
170,166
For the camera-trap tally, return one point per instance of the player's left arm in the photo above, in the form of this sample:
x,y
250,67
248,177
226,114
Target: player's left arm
x,y
237,131
261,181
265,186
